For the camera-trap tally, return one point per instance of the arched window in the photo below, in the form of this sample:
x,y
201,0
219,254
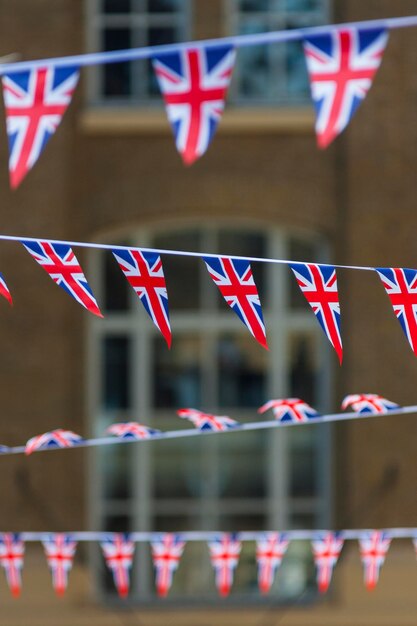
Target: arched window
x,y
239,481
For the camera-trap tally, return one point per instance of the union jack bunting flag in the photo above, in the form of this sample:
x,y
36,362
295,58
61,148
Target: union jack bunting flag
x,y
373,547
341,65
59,261
326,550
4,290
368,403
12,551
35,102
166,554
235,281
270,551
401,287
319,286
118,551
60,552
131,430
194,85
290,410
224,554
206,421
58,438
145,274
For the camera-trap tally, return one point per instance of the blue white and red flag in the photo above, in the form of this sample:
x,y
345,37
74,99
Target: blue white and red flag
x,y
207,421
401,287
194,86
35,102
59,551
319,286
224,555
341,65
290,410
4,290
374,546
60,262
235,281
167,551
326,551
12,550
58,438
118,550
270,551
145,274
368,403
131,430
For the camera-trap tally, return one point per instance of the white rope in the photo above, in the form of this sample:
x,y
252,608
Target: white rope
x,y
118,56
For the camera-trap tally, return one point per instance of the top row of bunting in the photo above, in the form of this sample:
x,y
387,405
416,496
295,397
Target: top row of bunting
x,y
194,81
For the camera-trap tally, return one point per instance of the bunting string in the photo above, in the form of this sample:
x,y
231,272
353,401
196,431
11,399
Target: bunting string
x,y
224,548
238,41
288,412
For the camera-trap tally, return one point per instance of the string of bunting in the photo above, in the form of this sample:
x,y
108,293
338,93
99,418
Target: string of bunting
x,y
287,412
224,548
143,269
194,77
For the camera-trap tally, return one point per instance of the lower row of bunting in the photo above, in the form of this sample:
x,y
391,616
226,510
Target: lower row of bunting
x,y
234,279
167,549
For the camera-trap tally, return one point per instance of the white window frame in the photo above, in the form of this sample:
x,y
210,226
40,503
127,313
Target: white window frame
x,y
280,321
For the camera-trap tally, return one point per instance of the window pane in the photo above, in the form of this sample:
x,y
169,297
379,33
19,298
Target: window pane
x,y
302,368
242,366
116,76
242,465
116,287
116,472
177,372
177,468
303,450
182,273
297,78
253,5
158,36
116,6
163,6
115,376
303,5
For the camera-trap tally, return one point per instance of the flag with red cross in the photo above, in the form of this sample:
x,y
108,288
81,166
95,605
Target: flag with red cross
x,y
59,551
12,551
167,550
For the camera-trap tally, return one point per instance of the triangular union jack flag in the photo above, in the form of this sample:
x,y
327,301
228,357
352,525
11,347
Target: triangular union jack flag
x,y
401,287
236,284
326,550
167,551
206,421
58,438
145,274
131,430
194,85
59,551
4,290
374,546
35,102
12,550
270,551
59,261
224,554
319,286
290,410
368,403
118,550
341,65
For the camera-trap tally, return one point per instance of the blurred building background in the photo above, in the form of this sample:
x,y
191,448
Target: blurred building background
x,y
111,174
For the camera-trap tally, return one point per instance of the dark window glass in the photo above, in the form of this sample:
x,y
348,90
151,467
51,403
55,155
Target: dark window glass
x,y
164,6
253,5
303,462
116,370
158,36
177,372
116,292
116,77
302,374
177,471
116,6
116,472
242,465
241,371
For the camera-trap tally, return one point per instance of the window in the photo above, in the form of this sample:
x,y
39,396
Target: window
x,y
274,73
241,481
123,24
